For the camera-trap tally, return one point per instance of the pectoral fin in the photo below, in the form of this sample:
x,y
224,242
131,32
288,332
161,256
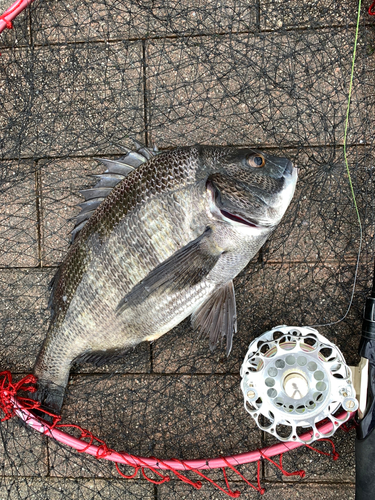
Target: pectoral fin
x,y
184,269
217,316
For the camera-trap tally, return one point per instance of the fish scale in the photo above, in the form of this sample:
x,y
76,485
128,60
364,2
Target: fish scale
x,y
133,190
166,242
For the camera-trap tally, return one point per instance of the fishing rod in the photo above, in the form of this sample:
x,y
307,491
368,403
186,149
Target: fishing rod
x,y
365,375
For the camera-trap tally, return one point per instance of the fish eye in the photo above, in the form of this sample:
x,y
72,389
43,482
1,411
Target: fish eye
x,y
256,161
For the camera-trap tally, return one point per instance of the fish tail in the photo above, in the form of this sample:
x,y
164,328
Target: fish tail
x,y
50,396
52,378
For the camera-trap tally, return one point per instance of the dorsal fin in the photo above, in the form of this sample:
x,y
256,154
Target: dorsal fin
x,y
116,171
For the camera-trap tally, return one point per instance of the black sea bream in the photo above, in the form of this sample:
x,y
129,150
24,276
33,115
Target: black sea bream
x,y
160,237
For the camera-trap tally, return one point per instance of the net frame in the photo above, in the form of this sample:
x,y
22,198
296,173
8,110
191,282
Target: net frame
x,y
23,408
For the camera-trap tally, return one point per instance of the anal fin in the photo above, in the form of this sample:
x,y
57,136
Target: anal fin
x,y
217,316
100,358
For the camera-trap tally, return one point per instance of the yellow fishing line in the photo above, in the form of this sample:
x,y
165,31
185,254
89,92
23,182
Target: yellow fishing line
x,y
347,116
348,172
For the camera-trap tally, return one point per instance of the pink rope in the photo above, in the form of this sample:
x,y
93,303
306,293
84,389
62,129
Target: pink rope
x,y
11,13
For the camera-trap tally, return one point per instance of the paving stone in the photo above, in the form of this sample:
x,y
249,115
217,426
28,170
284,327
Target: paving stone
x,y
239,90
24,317
82,99
4,5
23,452
103,20
17,99
277,14
261,104
149,415
273,491
61,182
18,215
74,489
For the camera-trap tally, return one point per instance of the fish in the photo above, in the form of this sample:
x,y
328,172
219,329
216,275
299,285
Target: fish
x,y
160,237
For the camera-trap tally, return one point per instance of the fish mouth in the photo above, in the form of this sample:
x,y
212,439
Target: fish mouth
x,y
289,168
224,213
282,167
238,219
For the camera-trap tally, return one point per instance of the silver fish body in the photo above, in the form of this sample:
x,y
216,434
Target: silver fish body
x,y
161,238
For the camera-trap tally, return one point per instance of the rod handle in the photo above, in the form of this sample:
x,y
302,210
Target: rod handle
x,y
365,467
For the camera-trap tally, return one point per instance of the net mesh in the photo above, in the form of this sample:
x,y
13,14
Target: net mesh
x,y
77,80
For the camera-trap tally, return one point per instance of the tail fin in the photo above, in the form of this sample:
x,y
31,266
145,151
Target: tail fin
x,y
50,396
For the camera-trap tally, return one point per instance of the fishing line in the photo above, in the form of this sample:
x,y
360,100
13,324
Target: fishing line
x,y
349,176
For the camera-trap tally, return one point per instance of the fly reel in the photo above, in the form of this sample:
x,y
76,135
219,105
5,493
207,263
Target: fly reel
x,y
293,378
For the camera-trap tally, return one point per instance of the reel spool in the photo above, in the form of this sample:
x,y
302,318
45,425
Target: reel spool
x,y
293,378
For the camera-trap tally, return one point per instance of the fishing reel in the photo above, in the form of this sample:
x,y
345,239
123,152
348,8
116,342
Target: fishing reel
x,y
293,378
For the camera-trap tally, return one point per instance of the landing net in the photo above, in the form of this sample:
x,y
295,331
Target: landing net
x,y
78,80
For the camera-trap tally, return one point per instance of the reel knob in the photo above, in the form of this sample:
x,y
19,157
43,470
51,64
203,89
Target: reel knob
x,y
292,378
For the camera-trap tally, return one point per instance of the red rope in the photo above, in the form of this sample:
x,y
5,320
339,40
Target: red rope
x,y
84,434
103,451
136,469
8,390
143,466
371,10
334,454
164,478
229,492
257,488
350,424
279,465
197,485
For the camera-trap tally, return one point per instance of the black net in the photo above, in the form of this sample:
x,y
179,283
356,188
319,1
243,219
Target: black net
x,y
78,80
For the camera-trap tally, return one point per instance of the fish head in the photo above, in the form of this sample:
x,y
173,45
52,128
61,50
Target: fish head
x,y
251,188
